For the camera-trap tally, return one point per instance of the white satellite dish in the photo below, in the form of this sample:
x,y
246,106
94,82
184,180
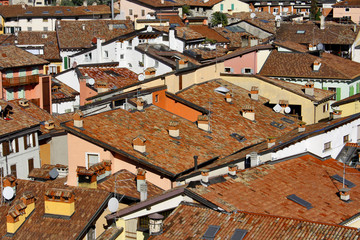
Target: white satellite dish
x,y
287,110
91,81
0,109
113,204
149,29
252,15
277,108
222,90
141,77
8,193
53,173
320,46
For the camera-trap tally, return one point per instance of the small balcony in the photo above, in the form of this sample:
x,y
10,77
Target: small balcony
x,y
20,81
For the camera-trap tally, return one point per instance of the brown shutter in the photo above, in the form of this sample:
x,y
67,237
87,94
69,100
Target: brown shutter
x,y
25,143
46,70
6,148
16,145
58,69
34,140
31,164
46,93
13,170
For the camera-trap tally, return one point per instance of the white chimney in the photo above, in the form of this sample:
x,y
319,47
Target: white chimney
x,y
140,104
83,27
162,1
344,194
139,144
85,3
228,97
174,129
99,49
155,224
204,177
309,88
322,22
140,178
183,63
203,122
254,93
253,159
312,47
248,112
78,119
111,27
301,127
316,65
143,192
336,114
232,168
271,142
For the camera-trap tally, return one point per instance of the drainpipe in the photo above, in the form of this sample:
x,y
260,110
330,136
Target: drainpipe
x,y
314,113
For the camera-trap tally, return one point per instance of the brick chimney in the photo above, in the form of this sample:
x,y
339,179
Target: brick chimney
x,y
102,87
316,65
174,129
59,203
228,97
150,72
248,112
254,93
301,126
29,200
140,104
203,122
271,141
140,178
86,177
183,63
232,168
78,119
336,114
139,144
49,124
107,164
309,88
204,177
344,194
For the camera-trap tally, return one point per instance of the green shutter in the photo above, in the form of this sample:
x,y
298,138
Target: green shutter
x,y
338,94
325,88
221,7
65,63
351,91
232,6
358,88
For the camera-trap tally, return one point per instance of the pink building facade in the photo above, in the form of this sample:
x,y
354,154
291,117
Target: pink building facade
x,y
344,11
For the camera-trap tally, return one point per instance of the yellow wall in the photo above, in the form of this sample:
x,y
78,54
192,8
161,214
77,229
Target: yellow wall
x,y
53,64
350,108
2,24
29,208
12,227
141,235
45,154
88,185
274,94
59,208
120,223
355,224
101,222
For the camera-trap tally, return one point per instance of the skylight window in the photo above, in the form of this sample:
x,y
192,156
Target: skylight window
x,y
222,90
277,125
68,10
28,12
211,232
45,12
87,10
300,31
238,137
112,73
119,26
58,11
287,120
239,234
300,201
340,179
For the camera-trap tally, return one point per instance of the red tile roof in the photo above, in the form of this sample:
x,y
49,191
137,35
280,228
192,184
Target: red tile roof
x,y
62,92
264,189
348,3
39,227
110,76
126,184
177,3
191,222
186,33
12,56
209,33
175,156
350,99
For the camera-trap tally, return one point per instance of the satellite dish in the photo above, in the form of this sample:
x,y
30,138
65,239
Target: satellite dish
x,y
252,15
320,46
8,193
277,108
53,173
91,81
0,109
287,110
141,77
222,90
149,29
113,204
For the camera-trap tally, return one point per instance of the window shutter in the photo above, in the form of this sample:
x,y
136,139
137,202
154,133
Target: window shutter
x,y
16,145
13,170
6,148
34,140
25,143
338,94
58,69
351,90
31,164
358,88
325,88
46,69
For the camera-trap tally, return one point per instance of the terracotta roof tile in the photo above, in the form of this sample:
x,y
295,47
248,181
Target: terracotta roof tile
x,y
352,98
177,3
209,33
39,227
173,155
264,189
235,38
87,30
187,33
191,222
126,184
12,56
62,92
348,3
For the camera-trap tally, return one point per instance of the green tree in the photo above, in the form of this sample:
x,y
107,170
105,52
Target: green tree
x,y
219,18
313,9
66,3
186,9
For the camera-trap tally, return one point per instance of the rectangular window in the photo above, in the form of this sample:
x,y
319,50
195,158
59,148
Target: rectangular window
x,y
35,71
92,158
130,12
106,54
333,90
14,146
45,29
221,7
21,92
327,146
13,170
45,20
346,138
142,12
121,56
31,164
33,142
232,6
29,29
10,94
157,98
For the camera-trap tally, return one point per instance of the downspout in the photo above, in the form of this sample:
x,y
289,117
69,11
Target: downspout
x,y
314,113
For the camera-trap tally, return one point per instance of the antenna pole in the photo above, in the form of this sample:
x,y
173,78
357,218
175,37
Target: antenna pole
x,y
344,175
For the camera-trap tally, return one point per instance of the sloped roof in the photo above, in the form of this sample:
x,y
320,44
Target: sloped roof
x,y
176,3
39,227
12,56
348,3
63,92
209,33
264,189
8,11
350,99
191,221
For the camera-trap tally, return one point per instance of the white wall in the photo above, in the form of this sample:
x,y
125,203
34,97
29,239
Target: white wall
x,y
69,78
65,107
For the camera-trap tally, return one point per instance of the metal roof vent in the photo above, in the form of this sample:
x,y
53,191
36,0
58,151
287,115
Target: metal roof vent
x,y
300,201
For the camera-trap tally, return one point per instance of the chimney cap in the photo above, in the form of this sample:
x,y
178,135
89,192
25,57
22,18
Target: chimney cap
x,y
174,123
156,216
344,190
141,171
254,88
139,139
78,115
248,108
203,118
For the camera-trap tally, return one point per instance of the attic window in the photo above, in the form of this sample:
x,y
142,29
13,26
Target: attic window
x,y
45,12
211,232
58,11
239,234
340,179
300,31
300,201
222,90
238,137
28,12
277,125
119,26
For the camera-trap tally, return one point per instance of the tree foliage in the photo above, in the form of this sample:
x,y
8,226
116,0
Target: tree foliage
x,y
186,9
313,9
219,18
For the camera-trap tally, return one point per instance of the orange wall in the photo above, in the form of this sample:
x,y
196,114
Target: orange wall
x,y
85,92
45,154
175,107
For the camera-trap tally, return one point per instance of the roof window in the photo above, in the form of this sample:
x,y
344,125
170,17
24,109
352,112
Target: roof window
x,y
222,90
287,120
277,125
28,12
238,137
340,179
211,232
119,26
239,234
58,11
300,201
300,31
45,12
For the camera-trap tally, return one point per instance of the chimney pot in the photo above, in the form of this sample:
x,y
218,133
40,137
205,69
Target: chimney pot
x,y
156,224
78,119
139,144
183,63
301,126
336,114
205,177
345,194
254,93
203,122
248,112
140,104
59,202
316,65
23,102
232,168
150,72
322,22
174,129
228,97
309,88
271,141
50,124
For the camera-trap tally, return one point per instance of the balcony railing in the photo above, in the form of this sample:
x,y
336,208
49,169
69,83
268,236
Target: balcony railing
x,y
20,81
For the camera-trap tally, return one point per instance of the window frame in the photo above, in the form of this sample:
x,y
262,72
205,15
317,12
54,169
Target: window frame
x,y
87,154
327,146
346,138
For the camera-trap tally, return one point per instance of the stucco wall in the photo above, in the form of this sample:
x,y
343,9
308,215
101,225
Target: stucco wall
x,y
349,108
353,13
